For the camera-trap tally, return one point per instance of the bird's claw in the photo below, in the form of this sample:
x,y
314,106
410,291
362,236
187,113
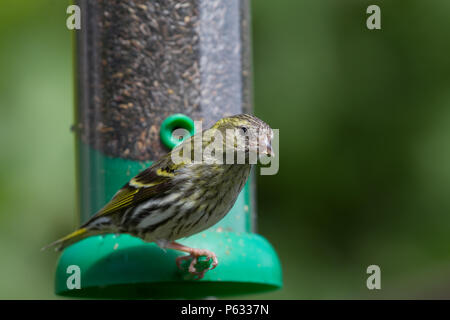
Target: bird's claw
x,y
194,256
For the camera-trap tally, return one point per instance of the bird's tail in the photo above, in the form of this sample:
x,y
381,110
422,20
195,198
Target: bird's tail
x,y
75,236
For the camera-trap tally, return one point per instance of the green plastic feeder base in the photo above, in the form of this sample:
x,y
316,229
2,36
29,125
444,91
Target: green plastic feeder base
x,y
122,266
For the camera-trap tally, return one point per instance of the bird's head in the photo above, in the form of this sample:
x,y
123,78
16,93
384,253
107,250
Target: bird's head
x,y
250,134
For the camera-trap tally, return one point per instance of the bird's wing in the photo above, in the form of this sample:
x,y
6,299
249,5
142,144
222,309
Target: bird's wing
x,y
153,181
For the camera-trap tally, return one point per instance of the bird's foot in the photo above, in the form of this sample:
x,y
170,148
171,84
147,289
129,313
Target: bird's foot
x,y
196,264
195,254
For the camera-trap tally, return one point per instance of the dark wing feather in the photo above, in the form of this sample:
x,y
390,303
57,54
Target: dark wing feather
x,y
153,181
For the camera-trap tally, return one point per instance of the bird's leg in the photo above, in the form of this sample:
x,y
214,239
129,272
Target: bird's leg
x,y
194,254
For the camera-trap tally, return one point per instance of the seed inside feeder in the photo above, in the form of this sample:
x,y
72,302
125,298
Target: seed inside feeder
x,y
146,60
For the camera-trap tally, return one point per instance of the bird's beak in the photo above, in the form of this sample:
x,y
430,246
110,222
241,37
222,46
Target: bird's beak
x,y
270,152
268,147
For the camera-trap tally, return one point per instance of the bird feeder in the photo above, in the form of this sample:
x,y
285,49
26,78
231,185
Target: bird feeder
x,y
143,69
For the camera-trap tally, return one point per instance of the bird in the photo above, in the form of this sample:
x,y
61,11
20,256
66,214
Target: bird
x,y
175,197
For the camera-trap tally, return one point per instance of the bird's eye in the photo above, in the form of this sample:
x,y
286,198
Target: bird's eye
x,y
244,129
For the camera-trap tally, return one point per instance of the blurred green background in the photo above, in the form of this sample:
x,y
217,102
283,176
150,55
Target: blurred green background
x,y
364,119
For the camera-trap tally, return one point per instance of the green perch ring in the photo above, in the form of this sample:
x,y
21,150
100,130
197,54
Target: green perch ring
x,y
171,123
